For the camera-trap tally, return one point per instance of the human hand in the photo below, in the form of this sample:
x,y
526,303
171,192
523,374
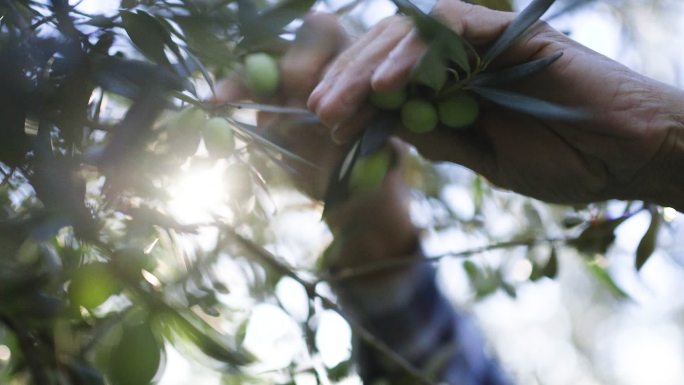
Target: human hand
x,y
318,41
628,148
370,226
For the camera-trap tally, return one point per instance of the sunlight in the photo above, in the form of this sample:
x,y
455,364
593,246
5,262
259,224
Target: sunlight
x,y
199,193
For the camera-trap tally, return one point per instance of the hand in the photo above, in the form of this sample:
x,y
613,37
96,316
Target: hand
x,y
369,226
628,149
318,40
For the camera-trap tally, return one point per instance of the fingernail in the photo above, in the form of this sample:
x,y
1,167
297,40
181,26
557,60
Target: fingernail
x,y
381,71
317,94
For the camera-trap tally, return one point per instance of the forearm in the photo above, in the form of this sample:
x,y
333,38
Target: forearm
x,y
407,312
663,182
400,303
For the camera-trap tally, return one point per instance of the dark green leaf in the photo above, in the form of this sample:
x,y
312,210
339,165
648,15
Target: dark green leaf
x,y
649,241
516,73
598,236
340,371
269,24
551,268
431,70
529,105
204,40
377,132
147,34
447,43
518,26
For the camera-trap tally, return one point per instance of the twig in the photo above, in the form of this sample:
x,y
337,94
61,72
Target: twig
x,y
29,350
368,337
376,267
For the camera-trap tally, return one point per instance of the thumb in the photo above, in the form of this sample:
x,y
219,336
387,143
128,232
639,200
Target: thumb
x,y
318,40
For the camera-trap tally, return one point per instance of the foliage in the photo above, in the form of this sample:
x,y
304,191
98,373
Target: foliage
x,y
95,124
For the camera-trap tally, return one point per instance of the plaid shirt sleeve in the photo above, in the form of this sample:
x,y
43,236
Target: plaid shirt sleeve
x,y
411,315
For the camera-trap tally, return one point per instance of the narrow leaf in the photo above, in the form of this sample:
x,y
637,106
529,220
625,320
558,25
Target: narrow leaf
x,y
518,26
447,42
551,268
649,241
431,70
147,34
338,185
515,73
378,132
195,64
251,131
529,105
270,108
602,275
267,25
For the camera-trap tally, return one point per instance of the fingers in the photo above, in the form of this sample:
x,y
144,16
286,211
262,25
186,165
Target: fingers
x,y
468,148
477,24
229,90
347,83
318,40
395,70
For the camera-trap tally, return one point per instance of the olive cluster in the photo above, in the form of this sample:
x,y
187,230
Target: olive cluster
x,y
421,115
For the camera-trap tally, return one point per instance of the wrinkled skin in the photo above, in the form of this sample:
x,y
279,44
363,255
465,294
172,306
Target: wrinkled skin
x,y
629,148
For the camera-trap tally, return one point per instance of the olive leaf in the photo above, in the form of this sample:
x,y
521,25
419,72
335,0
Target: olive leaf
x,y
598,236
648,242
431,70
442,39
515,73
530,105
518,26
250,131
263,26
602,275
147,34
377,133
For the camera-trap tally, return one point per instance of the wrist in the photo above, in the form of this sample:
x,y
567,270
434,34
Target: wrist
x,y
666,183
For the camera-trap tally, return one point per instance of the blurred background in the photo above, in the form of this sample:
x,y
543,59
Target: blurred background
x,y
554,313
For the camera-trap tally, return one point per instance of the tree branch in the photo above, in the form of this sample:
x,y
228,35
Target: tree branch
x,y
376,267
368,337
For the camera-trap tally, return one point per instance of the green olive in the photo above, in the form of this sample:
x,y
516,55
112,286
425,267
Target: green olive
x,y
262,75
388,100
458,111
419,116
184,132
369,172
136,358
91,285
218,137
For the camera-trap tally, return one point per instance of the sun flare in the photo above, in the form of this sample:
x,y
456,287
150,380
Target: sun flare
x,y
199,193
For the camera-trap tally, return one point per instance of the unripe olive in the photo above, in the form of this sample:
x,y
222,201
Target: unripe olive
x,y
184,132
262,75
136,358
218,137
369,172
91,285
419,116
388,100
458,111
